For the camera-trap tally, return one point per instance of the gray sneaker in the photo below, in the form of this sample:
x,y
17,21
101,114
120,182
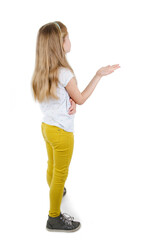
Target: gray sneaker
x,y
62,223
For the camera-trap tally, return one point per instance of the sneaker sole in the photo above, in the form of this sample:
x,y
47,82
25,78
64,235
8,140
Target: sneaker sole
x,y
63,230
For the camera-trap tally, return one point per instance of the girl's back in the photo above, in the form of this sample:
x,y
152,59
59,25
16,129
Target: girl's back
x,y
55,112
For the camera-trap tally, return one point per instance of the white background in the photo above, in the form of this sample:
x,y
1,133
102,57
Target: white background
x,y
113,181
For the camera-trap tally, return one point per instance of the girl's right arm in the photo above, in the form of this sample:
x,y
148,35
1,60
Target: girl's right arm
x,y
78,97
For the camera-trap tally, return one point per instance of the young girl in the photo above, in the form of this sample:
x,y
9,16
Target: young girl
x,y
55,87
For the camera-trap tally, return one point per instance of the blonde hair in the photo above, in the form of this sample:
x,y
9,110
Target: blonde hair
x,y
50,56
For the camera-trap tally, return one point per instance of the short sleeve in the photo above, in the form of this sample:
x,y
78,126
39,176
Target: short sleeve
x,y
65,76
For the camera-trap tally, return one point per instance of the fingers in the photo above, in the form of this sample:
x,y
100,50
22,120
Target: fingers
x,y
71,108
113,67
116,66
70,112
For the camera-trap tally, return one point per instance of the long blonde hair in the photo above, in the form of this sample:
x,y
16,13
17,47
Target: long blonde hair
x,y
50,56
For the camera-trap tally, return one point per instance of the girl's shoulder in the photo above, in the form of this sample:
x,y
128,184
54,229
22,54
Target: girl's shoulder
x,y
65,75
64,70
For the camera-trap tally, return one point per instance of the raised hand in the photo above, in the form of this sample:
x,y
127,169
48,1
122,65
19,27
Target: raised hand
x,y
107,70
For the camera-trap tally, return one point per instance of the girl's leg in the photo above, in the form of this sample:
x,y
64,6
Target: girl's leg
x,y
59,144
49,149
49,172
62,155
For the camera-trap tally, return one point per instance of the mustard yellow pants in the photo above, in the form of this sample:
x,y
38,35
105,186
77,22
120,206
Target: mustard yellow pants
x,y
59,146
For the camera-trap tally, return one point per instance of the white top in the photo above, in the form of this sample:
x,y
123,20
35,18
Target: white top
x,y
55,112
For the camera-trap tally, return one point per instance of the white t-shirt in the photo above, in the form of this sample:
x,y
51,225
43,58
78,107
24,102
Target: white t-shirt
x,y
55,112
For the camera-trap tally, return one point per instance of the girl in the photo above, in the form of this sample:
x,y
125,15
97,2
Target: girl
x,y
55,87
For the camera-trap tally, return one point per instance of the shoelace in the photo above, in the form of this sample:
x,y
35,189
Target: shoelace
x,y
68,219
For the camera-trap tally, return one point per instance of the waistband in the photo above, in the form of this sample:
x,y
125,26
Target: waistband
x,y
56,128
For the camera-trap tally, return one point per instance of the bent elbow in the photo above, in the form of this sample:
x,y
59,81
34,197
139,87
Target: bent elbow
x,y
81,102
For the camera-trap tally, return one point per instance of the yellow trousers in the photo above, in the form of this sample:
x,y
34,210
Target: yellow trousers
x,y
59,146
